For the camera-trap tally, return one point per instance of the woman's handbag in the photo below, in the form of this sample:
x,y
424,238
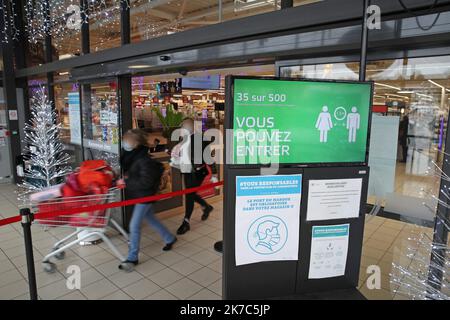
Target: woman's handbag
x,y
207,179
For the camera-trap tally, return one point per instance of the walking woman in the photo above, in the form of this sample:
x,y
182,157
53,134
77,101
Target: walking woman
x,y
193,175
142,179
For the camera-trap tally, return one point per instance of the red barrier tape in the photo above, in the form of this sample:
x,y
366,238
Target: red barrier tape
x,y
10,220
51,214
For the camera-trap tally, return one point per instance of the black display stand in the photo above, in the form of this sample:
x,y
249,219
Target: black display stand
x,y
289,279
351,277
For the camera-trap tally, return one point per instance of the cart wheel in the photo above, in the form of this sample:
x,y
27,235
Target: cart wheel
x,y
61,255
49,267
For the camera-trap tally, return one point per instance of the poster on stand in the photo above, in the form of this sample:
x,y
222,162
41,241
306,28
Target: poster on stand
x,y
329,247
104,117
334,199
267,218
74,118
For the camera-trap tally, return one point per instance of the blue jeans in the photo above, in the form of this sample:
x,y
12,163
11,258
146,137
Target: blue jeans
x,y
143,211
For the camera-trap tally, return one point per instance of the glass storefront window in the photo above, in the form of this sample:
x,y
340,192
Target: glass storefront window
x,y
154,96
67,106
104,25
67,40
341,71
35,54
64,30
198,95
100,118
154,19
409,123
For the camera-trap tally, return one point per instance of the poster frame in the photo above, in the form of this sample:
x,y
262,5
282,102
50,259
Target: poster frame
x,y
229,116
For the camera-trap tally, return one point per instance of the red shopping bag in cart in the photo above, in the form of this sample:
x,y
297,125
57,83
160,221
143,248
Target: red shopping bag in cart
x,y
209,178
95,178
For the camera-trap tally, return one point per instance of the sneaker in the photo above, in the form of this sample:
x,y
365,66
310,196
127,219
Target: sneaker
x,y
185,227
128,265
169,246
206,212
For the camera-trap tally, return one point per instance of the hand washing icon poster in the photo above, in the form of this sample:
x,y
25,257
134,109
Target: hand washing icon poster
x,y
267,218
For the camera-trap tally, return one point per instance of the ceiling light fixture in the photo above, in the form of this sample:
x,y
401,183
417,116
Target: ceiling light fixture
x,y
387,86
139,66
424,95
396,95
436,84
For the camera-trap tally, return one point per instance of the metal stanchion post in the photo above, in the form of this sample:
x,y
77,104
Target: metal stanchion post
x,y
27,219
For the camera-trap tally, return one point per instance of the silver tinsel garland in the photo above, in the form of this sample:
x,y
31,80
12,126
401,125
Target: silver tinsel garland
x,y
8,14
422,272
47,163
57,17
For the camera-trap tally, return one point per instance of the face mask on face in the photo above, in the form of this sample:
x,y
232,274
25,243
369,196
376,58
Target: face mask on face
x,y
126,146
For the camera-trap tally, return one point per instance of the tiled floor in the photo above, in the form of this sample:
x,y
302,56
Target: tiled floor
x,y
191,271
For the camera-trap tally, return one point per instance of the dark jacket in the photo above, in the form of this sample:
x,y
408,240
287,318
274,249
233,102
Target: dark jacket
x,y
200,162
143,174
403,130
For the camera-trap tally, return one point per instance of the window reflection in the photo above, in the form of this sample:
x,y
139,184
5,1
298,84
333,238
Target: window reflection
x,y
67,106
154,19
104,25
67,23
410,108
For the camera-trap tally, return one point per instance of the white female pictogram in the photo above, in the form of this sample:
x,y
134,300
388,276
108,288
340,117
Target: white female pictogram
x,y
324,124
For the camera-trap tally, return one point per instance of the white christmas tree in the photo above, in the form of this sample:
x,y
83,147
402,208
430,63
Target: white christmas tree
x,y
46,161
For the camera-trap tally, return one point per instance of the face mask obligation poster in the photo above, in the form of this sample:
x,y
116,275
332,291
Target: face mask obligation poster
x,y
267,218
281,121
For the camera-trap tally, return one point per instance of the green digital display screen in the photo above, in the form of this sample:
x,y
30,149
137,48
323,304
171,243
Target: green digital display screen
x,y
300,122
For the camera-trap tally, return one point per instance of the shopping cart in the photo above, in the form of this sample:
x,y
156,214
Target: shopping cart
x,y
87,225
